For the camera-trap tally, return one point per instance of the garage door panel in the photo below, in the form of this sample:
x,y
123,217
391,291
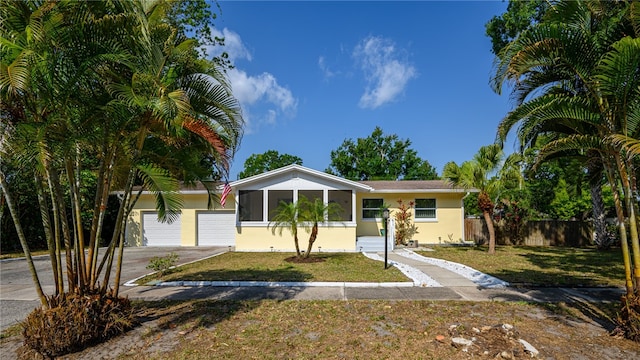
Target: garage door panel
x,y
156,233
216,228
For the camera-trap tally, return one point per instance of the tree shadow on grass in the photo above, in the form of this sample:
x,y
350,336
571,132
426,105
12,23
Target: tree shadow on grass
x,y
580,311
566,267
189,314
288,273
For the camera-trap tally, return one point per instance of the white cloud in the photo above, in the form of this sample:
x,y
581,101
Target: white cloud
x,y
386,73
264,88
325,69
233,45
260,96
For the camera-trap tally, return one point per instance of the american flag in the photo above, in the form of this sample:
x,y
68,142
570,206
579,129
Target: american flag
x,y
225,191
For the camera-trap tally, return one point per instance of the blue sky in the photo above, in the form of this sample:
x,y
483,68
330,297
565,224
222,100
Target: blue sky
x,y
309,75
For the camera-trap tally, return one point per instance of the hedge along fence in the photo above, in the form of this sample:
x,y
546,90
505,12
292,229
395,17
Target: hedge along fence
x,y
535,233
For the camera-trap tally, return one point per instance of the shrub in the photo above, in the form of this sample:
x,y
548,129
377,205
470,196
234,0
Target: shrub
x,y
162,264
75,321
405,228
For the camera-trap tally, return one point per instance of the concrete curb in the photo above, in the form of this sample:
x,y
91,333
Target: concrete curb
x,y
282,284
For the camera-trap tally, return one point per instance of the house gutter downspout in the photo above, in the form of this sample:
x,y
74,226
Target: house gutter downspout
x,y
462,206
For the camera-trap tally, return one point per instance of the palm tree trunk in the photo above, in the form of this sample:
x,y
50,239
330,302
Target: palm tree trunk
x,y
46,224
105,172
296,242
492,232
624,245
633,224
56,239
312,239
121,219
59,208
601,238
74,190
22,238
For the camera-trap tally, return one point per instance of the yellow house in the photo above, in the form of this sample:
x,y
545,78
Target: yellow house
x,y
244,222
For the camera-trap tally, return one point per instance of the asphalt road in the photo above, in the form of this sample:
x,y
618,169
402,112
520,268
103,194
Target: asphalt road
x,y
18,296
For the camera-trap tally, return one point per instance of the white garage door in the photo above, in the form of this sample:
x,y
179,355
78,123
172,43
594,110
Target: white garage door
x,y
156,233
217,228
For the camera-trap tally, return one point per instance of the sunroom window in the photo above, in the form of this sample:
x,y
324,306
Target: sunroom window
x,y
275,197
250,205
311,195
342,198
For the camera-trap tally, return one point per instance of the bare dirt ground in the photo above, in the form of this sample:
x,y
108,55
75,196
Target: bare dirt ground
x,y
360,329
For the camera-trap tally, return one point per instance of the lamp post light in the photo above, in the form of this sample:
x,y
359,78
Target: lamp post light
x,y
385,216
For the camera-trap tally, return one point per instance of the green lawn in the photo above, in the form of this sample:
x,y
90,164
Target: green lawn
x,y
541,266
245,266
524,266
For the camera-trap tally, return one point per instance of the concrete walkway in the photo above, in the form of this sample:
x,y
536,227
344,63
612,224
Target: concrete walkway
x,y
444,277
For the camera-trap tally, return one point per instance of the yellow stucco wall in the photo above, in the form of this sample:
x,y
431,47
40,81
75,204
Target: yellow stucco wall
x,y
191,204
447,226
330,238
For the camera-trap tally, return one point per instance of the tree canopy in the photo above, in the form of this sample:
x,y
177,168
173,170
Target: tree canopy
x,y
379,157
267,161
520,15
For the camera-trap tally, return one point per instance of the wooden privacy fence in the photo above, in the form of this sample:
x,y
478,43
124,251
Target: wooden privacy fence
x,y
535,233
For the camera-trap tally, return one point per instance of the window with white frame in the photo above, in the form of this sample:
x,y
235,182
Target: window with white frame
x,y
342,198
425,208
250,205
311,195
371,208
275,197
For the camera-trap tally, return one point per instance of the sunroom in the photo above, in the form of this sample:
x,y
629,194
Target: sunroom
x,y
258,197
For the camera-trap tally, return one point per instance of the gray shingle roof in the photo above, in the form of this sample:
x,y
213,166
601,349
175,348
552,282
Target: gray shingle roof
x,y
411,186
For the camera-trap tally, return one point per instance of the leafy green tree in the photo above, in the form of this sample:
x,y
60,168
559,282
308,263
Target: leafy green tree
x,y
267,161
379,157
520,15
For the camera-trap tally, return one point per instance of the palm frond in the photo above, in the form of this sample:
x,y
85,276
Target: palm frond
x,y
165,190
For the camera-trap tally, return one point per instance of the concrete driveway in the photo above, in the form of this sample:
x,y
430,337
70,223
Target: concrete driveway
x,y
17,292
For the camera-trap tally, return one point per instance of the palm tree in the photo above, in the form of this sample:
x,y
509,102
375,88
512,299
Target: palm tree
x,y
304,214
576,74
120,88
287,217
481,173
584,71
316,212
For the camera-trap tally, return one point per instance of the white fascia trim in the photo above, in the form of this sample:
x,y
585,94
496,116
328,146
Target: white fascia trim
x,y
302,169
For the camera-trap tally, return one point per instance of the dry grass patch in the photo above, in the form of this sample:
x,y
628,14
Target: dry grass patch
x,y
541,266
272,266
361,329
